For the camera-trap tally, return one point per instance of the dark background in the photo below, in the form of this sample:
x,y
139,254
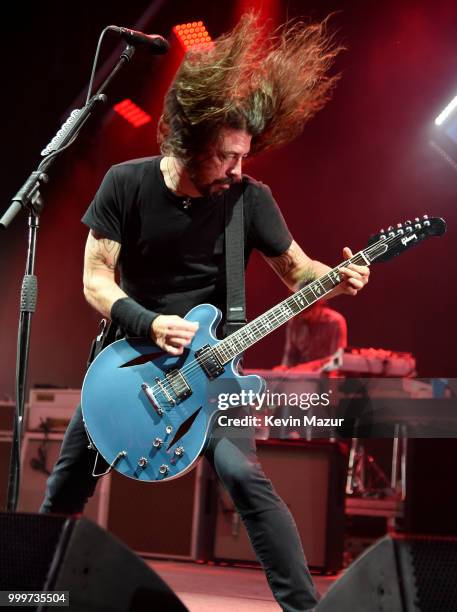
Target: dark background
x,y
363,163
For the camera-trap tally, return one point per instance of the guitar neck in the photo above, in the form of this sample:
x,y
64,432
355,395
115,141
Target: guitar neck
x,y
266,323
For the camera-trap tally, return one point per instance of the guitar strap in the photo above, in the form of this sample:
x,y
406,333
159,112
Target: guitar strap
x,y
234,262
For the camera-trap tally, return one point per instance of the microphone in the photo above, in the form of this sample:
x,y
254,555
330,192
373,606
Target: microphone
x,y
157,44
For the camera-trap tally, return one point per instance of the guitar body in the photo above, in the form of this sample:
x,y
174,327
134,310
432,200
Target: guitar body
x,y
124,420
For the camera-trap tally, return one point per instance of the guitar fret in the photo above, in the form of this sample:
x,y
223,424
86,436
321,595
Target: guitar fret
x,y
221,354
317,288
313,293
267,325
273,316
294,305
327,283
334,277
309,295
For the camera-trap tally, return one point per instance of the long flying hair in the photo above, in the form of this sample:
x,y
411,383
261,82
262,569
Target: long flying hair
x,y
269,85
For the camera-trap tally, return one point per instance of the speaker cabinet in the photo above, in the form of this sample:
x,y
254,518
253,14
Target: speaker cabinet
x,y
168,519
39,453
310,478
53,553
430,501
405,575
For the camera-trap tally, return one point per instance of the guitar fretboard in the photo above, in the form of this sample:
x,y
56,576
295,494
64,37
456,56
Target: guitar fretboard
x,y
263,325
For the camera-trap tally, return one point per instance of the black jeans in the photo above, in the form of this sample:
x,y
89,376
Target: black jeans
x,y
270,526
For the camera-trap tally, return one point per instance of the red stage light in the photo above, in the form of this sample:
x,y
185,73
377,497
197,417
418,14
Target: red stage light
x,y
193,35
132,113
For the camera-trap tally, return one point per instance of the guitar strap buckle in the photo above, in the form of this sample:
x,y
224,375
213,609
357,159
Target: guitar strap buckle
x,y
106,335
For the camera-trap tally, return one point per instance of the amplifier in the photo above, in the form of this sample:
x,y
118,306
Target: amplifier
x,y
310,478
39,453
51,409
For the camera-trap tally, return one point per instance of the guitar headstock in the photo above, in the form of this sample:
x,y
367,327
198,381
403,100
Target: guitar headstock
x,y
393,241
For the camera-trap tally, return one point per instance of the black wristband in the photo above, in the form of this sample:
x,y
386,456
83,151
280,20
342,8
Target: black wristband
x,y
132,317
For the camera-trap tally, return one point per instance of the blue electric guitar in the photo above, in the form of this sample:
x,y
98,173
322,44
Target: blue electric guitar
x,y
149,414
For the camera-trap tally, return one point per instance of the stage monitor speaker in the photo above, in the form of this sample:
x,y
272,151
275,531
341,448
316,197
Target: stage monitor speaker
x,y
55,553
173,519
398,575
310,478
39,453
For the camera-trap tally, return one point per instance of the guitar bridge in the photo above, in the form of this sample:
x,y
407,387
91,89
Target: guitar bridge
x,y
151,397
208,362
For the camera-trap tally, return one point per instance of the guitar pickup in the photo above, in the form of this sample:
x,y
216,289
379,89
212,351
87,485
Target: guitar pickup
x,y
208,362
178,384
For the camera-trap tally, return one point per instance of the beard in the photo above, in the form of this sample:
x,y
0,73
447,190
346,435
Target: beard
x,y
213,189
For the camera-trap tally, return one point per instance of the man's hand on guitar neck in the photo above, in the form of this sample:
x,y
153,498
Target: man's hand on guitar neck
x,y
353,277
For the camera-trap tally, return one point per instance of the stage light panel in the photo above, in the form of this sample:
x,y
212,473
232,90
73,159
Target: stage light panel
x,y
132,113
193,35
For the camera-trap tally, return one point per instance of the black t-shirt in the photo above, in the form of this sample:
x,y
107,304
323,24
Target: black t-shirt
x,y
172,258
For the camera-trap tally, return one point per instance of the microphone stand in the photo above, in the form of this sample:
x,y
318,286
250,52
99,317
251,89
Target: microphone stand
x,y
29,198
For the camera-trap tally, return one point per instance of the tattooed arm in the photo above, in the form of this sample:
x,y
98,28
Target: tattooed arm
x,y
100,260
295,269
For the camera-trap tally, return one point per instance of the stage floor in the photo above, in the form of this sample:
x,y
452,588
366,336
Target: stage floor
x,y
216,588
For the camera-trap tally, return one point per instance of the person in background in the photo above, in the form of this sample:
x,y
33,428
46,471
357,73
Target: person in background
x,y
314,334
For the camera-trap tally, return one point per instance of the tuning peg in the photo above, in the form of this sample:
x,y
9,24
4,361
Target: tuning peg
x,y
424,216
416,219
408,222
390,228
409,228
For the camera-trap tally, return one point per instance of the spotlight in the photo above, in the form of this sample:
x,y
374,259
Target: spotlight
x,y
446,112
